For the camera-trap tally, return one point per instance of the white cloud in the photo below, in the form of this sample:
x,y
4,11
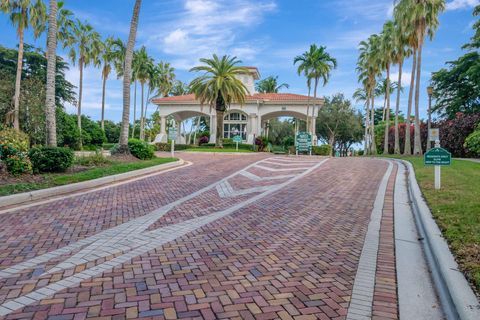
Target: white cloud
x,y
406,77
462,4
205,27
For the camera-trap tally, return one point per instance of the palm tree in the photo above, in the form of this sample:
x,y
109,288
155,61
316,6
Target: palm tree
x,y
420,19
143,71
166,78
369,68
108,57
361,95
401,52
387,50
179,88
270,85
50,119
316,64
219,86
85,48
127,67
23,14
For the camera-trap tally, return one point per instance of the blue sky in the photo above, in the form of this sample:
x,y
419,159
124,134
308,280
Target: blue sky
x,y
262,33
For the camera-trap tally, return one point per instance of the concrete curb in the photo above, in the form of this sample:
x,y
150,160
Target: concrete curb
x,y
457,298
75,187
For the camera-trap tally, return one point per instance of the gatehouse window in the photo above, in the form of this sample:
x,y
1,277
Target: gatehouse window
x,y
235,123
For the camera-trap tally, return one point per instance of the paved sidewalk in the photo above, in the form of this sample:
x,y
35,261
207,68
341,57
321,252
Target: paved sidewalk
x,y
227,238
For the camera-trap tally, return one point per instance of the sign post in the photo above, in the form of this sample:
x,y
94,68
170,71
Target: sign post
x,y
437,157
303,143
172,135
237,139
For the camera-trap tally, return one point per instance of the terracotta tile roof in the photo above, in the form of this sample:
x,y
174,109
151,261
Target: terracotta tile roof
x,y
189,98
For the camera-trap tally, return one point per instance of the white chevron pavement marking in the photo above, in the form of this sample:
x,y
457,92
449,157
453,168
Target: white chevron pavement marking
x,y
149,241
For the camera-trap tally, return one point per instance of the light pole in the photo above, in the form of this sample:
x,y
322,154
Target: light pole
x,y
429,125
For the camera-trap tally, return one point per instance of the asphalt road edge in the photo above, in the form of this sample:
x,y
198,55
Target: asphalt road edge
x,y
457,298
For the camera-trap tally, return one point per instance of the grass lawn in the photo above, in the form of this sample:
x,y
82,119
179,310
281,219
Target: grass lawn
x,y
53,180
456,208
202,149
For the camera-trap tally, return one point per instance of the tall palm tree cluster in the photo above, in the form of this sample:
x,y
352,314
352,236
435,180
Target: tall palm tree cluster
x,y
401,38
86,47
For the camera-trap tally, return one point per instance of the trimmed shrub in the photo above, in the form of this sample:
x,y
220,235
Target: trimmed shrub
x,y
93,161
168,146
472,143
18,164
140,149
17,139
51,159
203,140
323,150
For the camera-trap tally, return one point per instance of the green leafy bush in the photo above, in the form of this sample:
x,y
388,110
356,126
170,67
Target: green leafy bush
x,y
472,143
323,150
168,146
17,139
140,149
241,146
95,160
15,161
18,164
51,159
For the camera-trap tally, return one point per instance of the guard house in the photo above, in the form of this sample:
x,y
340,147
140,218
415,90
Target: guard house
x,y
250,120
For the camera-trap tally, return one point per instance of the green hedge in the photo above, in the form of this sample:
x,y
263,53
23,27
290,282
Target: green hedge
x,y
140,149
242,146
323,150
51,159
168,146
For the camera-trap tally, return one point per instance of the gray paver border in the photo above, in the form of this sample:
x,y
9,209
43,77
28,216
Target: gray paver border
x,y
25,197
361,302
457,298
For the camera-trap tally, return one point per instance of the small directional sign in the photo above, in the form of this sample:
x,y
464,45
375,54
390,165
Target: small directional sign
x,y
237,139
437,157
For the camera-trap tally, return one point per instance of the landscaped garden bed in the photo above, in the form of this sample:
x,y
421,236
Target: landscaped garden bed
x,y
25,169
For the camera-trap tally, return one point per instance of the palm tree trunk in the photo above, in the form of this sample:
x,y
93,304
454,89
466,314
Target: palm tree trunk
x,y
104,85
367,123
79,107
417,145
397,108
123,141
387,112
18,79
312,130
141,113
219,140
372,116
50,118
134,109
408,145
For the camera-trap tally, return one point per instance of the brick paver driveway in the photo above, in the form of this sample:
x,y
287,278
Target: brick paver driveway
x,y
230,237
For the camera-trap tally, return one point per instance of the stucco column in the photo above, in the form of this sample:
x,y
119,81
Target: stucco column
x,y
314,128
163,125
252,128
213,128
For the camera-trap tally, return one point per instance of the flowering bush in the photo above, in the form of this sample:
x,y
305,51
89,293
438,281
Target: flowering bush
x,y
18,164
17,139
453,133
203,140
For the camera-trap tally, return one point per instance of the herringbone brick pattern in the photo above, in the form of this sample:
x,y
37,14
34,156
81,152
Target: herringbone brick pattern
x,y
292,255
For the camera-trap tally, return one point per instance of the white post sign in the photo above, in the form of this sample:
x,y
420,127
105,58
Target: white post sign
x,y
172,135
434,135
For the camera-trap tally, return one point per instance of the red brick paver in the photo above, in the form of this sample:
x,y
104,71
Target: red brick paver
x,y
291,255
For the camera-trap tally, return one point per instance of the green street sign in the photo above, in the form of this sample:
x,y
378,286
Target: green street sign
x,y
437,157
172,134
237,139
304,142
